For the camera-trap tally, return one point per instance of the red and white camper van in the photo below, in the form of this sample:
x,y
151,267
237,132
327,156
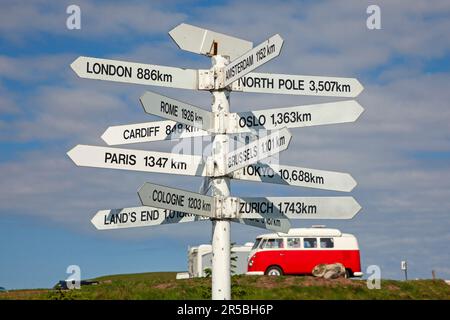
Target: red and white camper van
x,y
301,249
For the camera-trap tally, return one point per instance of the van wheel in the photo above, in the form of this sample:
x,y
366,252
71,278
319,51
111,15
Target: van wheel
x,y
274,271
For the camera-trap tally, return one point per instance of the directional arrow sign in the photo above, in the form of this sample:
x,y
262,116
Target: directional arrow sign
x,y
140,217
131,72
148,216
298,207
297,176
274,224
150,131
294,117
154,195
298,85
137,160
252,59
203,41
257,150
175,110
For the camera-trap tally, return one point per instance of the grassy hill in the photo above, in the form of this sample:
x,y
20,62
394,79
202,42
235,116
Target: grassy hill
x,y
163,285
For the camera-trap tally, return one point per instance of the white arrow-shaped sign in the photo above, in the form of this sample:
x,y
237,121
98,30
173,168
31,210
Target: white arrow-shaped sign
x,y
150,131
252,59
298,85
262,148
175,110
203,41
297,176
137,160
132,72
147,217
154,195
140,217
298,207
295,117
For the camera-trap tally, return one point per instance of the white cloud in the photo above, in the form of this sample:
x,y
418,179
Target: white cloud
x,y
21,19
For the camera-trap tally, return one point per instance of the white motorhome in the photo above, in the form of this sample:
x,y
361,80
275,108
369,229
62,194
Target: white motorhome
x,y
200,259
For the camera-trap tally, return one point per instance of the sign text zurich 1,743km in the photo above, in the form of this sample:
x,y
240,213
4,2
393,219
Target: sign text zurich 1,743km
x,y
267,133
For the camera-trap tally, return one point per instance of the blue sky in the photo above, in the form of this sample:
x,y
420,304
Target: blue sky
x,y
398,151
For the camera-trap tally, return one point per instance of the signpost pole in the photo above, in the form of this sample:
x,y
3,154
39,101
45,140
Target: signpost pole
x,y
221,278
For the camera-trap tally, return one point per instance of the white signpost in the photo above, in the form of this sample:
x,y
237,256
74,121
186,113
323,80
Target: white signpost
x,y
295,117
257,150
298,207
137,160
165,205
296,176
154,195
207,42
178,111
132,72
150,131
140,217
298,85
252,59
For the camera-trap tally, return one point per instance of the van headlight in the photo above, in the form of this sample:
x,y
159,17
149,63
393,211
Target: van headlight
x,y
250,263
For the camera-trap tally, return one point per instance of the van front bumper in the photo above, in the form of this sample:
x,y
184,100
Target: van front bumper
x,y
358,274
254,273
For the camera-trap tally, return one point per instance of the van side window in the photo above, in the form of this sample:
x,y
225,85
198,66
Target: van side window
x,y
310,242
326,242
293,242
273,244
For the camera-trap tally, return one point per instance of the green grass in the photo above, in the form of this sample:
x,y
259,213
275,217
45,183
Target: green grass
x,y
163,285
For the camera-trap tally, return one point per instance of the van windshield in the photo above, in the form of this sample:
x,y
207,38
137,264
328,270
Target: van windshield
x,y
258,240
261,244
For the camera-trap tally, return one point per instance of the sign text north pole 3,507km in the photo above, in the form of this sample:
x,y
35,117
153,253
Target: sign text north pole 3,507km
x,y
298,85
